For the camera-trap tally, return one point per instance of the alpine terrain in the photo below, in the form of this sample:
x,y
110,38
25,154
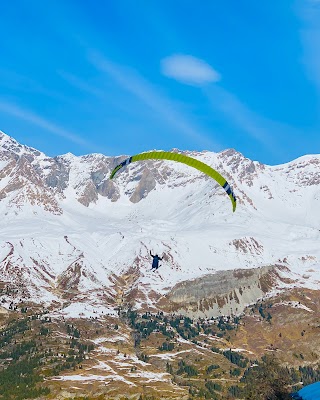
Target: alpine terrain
x,y
81,313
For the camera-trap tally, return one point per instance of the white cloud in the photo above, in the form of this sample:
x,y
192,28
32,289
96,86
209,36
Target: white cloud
x,y
135,84
29,116
188,69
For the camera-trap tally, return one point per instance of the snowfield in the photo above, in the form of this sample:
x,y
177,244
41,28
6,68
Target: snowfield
x,y
187,219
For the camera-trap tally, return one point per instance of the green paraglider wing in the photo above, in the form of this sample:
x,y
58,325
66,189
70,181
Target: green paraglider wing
x,y
167,155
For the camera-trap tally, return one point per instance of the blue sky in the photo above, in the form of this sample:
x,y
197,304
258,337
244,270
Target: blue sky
x,y
123,76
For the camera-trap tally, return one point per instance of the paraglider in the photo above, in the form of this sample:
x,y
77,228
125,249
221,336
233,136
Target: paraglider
x,y
192,162
155,261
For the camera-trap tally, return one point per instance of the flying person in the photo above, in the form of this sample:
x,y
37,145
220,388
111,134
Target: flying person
x,y
155,261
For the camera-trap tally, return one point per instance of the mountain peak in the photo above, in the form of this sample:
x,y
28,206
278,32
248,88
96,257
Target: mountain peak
x,y
68,156
231,153
10,144
6,139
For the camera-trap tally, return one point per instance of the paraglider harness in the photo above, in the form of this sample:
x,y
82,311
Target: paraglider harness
x,y
155,261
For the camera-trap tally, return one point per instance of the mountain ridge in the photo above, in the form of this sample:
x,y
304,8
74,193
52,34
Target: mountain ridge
x,y
71,228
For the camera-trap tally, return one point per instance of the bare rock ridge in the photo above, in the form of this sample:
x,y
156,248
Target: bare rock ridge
x,y
88,175
223,293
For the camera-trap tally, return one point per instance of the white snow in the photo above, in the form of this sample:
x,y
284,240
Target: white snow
x,y
188,219
171,355
116,338
239,350
151,376
89,378
85,310
293,304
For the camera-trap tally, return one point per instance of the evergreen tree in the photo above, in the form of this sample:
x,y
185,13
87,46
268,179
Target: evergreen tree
x,y
267,381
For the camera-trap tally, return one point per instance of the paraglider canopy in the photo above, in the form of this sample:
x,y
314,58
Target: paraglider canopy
x,y
192,162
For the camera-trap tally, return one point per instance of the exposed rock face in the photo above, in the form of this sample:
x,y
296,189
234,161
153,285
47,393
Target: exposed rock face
x,y
223,293
304,171
248,245
167,207
109,189
68,282
89,194
146,184
86,178
59,175
25,183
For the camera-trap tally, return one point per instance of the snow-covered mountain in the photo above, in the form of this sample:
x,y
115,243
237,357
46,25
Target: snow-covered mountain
x,y
70,236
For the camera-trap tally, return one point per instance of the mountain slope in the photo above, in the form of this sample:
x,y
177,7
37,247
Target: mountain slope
x,y
68,232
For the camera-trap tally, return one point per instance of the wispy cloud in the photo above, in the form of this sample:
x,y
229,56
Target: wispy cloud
x,y
14,82
33,118
131,81
309,13
269,133
193,71
188,69
238,113
81,84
